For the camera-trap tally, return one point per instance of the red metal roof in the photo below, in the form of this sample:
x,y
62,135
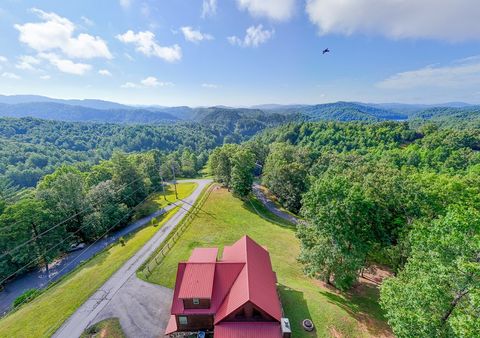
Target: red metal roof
x,y
225,276
244,274
197,281
247,330
203,255
172,325
256,283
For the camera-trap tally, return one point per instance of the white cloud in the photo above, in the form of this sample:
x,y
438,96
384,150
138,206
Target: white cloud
x,y
194,35
87,21
27,62
125,3
209,85
273,9
145,43
453,20
129,85
11,76
209,8
104,72
3,59
65,65
461,73
45,77
56,33
152,81
148,82
255,36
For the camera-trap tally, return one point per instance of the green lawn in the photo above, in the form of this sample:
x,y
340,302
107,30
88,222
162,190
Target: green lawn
x,y
158,201
44,315
108,328
226,219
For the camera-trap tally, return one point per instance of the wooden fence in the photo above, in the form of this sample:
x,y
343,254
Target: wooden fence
x,y
162,251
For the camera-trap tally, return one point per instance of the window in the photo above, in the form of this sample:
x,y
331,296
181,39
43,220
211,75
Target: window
x,y
196,301
182,320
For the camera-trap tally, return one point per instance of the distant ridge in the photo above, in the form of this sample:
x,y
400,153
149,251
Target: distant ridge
x,y
93,110
71,113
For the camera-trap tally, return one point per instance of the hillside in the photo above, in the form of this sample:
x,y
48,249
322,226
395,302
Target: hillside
x,y
466,117
66,112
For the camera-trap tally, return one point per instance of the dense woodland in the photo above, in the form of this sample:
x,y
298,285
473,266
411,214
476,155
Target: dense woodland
x,y
31,148
405,195
71,206
381,193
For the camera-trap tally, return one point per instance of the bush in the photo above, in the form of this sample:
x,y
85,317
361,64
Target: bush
x,y
26,297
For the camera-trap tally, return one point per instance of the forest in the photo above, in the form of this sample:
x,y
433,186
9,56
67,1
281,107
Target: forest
x,y
31,148
384,193
403,195
79,205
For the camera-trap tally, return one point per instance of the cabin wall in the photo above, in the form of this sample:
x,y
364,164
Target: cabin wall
x,y
204,304
196,322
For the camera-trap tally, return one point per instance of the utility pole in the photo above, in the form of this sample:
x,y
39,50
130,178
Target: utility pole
x,y
162,182
41,251
174,181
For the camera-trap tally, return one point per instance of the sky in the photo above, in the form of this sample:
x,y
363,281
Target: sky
x,y
242,52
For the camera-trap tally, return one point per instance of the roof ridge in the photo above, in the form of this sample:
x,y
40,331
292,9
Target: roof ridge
x,y
246,268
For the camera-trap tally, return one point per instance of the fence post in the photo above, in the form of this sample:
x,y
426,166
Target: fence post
x,y
191,214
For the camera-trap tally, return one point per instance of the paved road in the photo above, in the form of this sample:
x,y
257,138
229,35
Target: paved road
x,y
37,279
272,207
88,312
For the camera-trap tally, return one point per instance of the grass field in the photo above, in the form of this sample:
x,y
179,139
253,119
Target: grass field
x,y
44,315
226,219
158,201
108,328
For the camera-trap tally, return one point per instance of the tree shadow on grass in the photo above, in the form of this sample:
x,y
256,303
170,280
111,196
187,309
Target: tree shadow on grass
x,y
362,303
295,309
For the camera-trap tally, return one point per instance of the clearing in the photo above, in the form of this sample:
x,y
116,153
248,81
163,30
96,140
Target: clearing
x,y
225,219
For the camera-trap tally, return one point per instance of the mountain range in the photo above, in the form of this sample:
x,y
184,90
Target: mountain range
x,y
90,110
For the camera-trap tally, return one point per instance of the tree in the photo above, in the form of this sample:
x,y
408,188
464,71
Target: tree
x,y
171,166
128,180
63,193
107,211
27,232
243,163
351,214
438,292
285,174
220,163
337,237
188,162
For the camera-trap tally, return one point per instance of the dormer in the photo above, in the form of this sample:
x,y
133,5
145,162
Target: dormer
x,y
197,283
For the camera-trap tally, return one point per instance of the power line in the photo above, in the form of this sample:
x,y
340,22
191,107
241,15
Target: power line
x,y
56,225
63,241
106,232
78,213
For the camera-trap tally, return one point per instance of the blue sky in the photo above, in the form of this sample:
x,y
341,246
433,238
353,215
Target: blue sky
x,y
242,52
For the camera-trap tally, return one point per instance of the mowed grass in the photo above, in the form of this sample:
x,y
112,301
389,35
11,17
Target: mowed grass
x,y
225,219
44,315
108,328
157,201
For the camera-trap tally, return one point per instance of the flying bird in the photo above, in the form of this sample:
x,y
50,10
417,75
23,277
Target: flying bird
x,y
326,51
